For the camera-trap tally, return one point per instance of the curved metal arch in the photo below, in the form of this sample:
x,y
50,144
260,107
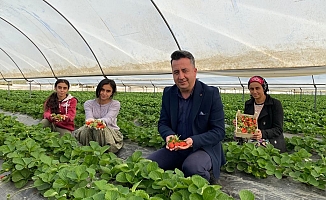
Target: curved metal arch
x,y
33,44
79,35
15,64
3,77
167,24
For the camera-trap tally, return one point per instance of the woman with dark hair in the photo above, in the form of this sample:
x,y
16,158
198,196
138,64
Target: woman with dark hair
x,y
269,111
102,110
60,109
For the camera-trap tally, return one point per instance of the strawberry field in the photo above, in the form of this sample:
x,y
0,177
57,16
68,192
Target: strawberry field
x,y
59,166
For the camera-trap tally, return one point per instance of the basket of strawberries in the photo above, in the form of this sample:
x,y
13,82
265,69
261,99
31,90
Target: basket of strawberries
x,y
246,125
96,124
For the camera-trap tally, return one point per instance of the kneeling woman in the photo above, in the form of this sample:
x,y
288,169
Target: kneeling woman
x,y
104,111
60,109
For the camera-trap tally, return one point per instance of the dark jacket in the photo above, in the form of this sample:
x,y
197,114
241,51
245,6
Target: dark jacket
x,y
206,115
270,121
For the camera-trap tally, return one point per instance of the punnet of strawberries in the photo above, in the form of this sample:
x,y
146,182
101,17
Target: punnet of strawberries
x,y
95,124
176,142
246,124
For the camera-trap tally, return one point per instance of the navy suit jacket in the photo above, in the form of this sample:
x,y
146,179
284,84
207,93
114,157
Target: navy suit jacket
x,y
206,115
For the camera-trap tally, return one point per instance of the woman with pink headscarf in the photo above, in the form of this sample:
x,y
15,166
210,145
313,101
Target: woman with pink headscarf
x,y
270,113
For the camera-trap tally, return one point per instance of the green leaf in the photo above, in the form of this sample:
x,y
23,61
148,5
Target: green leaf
x,y
295,175
277,160
278,174
19,167
136,156
91,172
241,166
209,193
50,193
313,181
270,167
180,195
246,195
141,193
199,181
130,177
152,166
59,183
111,195
19,161
230,169
195,196
155,175
134,187
121,177
72,175
101,184
17,176
21,183
79,193
255,152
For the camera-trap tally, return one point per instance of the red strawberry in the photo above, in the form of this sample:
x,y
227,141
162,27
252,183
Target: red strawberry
x,y
183,143
171,145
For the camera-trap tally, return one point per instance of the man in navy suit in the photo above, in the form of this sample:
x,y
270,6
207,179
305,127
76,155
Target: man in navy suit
x,y
193,111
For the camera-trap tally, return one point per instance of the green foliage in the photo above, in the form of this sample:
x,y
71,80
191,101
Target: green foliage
x,y
61,169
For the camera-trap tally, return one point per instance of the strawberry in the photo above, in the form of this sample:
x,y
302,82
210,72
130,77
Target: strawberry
x,y
171,145
183,143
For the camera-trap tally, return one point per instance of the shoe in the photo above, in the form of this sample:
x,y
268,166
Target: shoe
x,y
212,179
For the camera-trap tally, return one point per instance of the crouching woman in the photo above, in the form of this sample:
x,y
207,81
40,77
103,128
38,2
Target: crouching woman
x,y
101,118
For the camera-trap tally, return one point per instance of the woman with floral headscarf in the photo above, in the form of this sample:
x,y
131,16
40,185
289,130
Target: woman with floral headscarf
x,y
270,113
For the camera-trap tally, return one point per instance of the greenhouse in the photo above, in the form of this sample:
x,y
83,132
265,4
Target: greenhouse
x,y
130,42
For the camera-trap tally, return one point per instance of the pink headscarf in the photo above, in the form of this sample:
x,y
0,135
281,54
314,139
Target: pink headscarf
x,y
256,79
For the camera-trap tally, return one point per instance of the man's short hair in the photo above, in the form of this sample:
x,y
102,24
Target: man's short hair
x,y
182,54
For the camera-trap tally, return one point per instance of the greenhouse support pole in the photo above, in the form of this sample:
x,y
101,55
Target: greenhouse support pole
x,y
242,89
30,89
300,93
8,88
153,86
313,81
124,86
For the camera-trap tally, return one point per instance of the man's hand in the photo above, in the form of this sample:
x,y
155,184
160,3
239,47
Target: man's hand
x,y
167,140
189,143
176,145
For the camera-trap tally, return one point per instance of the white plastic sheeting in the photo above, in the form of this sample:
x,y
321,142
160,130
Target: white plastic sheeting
x,y
61,38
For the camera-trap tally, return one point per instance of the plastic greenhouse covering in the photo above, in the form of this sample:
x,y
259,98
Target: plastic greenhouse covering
x,y
131,41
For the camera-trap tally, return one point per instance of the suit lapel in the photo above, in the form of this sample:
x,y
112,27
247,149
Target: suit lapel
x,y
174,107
197,100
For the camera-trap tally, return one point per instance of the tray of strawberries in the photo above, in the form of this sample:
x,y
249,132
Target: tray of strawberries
x,y
246,125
